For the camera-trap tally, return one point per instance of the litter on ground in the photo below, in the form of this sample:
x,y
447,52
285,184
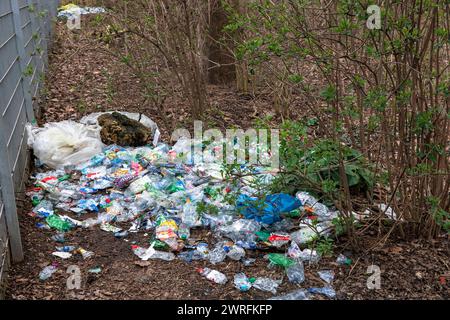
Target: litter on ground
x,y
81,183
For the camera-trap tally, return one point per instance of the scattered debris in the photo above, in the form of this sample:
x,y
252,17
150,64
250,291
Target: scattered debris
x,y
161,192
71,11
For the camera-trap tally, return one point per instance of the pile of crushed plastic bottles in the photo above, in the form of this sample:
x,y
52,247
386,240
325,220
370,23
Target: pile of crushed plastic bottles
x,y
70,11
146,189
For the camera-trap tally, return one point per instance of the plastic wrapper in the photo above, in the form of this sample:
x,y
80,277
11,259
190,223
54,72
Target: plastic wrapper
x,y
213,275
266,284
62,255
66,143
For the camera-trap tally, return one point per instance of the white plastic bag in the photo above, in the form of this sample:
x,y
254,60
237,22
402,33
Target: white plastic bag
x,y
65,143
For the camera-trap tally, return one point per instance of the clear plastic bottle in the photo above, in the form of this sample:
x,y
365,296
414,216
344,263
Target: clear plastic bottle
x,y
162,255
343,260
236,253
66,248
241,282
218,254
139,251
47,272
44,208
189,215
84,253
266,284
151,253
327,291
326,275
184,231
296,273
213,275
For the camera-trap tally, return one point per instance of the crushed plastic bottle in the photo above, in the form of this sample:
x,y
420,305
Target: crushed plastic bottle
x,y
296,273
312,256
326,275
66,248
84,253
213,275
235,253
241,230
266,284
248,262
218,254
59,237
151,253
44,209
327,291
48,271
278,259
184,232
189,216
294,251
317,208
88,204
200,253
56,222
121,234
241,282
343,260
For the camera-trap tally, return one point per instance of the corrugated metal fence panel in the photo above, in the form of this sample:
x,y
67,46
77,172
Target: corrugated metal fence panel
x,y
25,32
3,247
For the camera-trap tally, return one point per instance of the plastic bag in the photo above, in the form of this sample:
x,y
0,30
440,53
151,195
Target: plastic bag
x,y
269,211
65,143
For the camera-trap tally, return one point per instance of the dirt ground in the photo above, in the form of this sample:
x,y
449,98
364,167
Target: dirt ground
x,y
83,79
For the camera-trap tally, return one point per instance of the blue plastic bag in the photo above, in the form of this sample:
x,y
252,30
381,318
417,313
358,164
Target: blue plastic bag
x,y
269,211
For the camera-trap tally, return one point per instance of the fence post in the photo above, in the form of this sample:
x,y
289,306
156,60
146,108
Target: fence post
x,y
22,59
9,201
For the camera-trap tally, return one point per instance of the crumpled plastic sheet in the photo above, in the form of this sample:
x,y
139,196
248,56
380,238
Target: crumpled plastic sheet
x,y
65,143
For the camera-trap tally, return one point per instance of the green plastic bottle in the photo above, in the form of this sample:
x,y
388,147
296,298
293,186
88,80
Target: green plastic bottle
x,y
56,222
281,260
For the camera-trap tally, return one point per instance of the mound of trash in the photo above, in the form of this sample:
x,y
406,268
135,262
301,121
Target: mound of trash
x,y
71,11
146,189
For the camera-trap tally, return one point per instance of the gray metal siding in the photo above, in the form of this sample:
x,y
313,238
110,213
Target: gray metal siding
x,y
25,33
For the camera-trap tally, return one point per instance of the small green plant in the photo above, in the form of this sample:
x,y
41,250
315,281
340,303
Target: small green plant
x,y
441,217
207,208
315,166
29,70
324,246
81,106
